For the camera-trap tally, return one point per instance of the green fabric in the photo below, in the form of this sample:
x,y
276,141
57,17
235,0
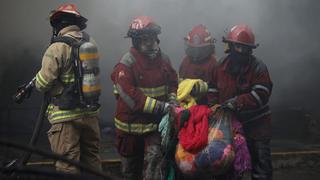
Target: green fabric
x,y
171,172
165,129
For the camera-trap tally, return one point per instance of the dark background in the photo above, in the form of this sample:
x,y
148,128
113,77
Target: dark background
x,y
287,31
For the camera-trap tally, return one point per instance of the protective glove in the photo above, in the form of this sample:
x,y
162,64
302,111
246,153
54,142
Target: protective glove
x,y
215,107
162,108
230,104
22,93
27,91
174,103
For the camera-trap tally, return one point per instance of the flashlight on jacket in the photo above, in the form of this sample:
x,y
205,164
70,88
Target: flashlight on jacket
x,y
24,91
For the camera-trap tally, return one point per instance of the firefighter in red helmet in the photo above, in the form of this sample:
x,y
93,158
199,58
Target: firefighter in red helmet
x,y
74,131
145,86
199,61
243,85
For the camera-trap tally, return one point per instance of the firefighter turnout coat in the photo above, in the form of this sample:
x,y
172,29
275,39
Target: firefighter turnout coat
x,y
56,70
138,84
251,89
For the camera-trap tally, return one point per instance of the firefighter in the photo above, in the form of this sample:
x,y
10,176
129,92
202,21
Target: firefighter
x,y
74,131
199,61
145,89
244,86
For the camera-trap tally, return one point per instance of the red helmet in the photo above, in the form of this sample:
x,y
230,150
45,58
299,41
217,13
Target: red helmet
x,y
199,36
64,10
241,34
143,25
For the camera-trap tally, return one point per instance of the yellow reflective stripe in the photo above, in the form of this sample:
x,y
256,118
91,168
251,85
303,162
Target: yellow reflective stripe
x,y
154,92
59,115
86,88
115,89
88,56
134,127
67,78
149,105
42,82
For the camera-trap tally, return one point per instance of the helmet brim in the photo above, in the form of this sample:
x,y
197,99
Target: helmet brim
x,y
253,46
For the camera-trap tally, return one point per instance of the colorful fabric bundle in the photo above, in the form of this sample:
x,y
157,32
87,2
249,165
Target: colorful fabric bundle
x,y
217,156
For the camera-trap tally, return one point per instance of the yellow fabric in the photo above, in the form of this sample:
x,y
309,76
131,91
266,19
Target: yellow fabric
x,y
184,90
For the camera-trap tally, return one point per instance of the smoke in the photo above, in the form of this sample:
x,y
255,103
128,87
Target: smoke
x,y
287,31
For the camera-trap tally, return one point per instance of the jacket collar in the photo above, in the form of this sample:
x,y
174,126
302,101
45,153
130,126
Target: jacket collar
x,y
143,61
68,29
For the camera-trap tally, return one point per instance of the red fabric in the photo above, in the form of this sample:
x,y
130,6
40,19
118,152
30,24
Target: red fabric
x,y
194,135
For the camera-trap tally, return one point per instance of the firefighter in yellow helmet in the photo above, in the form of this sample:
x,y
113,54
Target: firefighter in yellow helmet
x,y
73,108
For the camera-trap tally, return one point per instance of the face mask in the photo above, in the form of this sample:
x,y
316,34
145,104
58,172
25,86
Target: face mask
x,y
238,61
199,54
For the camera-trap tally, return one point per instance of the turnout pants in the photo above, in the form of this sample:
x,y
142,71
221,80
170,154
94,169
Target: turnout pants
x,y
77,140
141,156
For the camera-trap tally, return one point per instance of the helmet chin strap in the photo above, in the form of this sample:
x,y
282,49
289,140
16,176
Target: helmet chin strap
x,y
54,34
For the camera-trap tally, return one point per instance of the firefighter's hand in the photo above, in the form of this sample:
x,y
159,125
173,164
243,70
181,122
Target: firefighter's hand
x,y
162,108
215,107
27,91
174,103
230,104
22,92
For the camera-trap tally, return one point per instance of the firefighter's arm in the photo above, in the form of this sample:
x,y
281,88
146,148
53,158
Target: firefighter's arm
x,y
260,92
49,71
122,78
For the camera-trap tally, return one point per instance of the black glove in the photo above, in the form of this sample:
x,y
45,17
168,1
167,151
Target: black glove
x,y
22,92
162,108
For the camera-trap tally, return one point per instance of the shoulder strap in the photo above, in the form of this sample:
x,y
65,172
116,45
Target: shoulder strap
x,y
64,39
128,59
71,41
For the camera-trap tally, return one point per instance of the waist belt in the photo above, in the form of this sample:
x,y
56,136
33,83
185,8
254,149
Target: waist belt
x,y
65,103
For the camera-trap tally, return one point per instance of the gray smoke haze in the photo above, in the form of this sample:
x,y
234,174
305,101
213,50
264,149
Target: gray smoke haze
x,y
287,31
